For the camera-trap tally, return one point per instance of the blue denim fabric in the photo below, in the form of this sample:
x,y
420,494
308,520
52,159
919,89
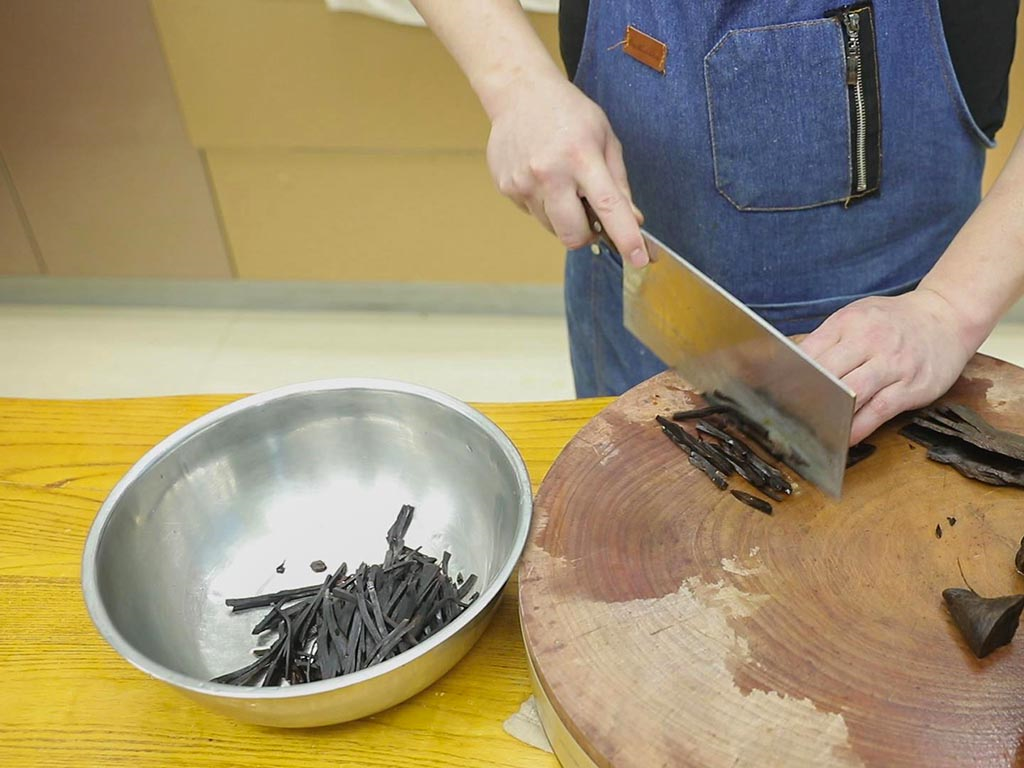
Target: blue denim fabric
x,y
739,156
606,358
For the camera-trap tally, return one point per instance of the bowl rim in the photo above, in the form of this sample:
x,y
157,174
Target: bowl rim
x,y
101,619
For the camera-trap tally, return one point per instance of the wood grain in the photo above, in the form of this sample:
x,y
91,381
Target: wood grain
x,y
70,700
669,624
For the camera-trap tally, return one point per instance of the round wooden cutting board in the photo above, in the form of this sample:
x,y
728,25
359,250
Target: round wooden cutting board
x,y
668,624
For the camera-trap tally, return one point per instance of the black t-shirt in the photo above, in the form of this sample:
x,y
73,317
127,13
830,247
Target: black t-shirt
x,y
980,35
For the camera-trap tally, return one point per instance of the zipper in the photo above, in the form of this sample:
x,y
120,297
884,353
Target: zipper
x,y
855,80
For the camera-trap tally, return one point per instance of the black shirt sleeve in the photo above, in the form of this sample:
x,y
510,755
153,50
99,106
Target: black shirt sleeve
x,y
572,25
981,35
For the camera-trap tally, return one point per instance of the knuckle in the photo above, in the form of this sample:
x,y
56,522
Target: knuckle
x,y
508,188
524,184
606,202
881,407
579,156
542,171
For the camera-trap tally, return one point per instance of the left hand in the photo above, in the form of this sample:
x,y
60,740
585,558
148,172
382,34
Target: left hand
x,y
895,353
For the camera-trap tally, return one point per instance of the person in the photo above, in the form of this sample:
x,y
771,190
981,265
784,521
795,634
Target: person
x,y
821,164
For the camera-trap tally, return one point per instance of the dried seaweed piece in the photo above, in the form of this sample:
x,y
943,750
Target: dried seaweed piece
x,y
375,611
986,623
752,501
275,618
965,426
262,601
751,429
364,612
727,454
938,531
708,469
713,454
720,461
251,674
1018,560
960,421
762,474
390,643
318,566
996,471
743,467
396,534
328,654
969,460
700,413
349,622
858,453
776,480
467,585
710,429
689,444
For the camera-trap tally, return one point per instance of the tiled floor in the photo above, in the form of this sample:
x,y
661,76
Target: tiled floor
x,y
70,351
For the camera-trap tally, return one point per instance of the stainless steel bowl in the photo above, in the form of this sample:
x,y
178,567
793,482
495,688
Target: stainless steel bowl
x,y
310,472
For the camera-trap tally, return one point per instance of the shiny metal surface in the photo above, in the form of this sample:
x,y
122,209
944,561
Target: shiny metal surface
x,y
313,471
718,344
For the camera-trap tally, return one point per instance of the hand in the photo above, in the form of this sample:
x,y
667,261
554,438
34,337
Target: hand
x,y
550,146
895,353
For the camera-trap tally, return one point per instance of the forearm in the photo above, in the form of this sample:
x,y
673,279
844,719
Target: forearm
x,y
981,274
492,42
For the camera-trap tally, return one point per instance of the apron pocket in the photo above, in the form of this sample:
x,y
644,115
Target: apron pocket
x,y
780,118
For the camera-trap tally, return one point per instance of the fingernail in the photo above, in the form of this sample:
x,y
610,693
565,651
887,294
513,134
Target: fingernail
x,y
638,257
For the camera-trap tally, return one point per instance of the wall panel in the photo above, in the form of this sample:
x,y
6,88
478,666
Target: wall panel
x,y
367,217
96,147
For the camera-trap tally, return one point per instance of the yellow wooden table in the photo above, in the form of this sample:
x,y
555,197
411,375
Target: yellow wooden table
x,y
67,699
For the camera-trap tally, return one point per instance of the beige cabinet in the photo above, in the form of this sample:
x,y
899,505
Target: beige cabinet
x,y
390,217
96,149
343,147
262,139
16,255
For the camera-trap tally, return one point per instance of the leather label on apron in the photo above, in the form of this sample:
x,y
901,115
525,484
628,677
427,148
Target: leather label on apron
x,y
645,49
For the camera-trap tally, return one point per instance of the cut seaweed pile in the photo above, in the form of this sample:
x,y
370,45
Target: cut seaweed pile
x,y
717,452
956,435
353,621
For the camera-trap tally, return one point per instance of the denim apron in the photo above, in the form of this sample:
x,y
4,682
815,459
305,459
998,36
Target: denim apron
x,y
747,156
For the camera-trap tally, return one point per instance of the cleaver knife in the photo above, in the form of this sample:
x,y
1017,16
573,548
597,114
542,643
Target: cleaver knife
x,y
725,350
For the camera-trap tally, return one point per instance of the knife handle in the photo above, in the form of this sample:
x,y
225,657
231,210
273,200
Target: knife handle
x,y
596,226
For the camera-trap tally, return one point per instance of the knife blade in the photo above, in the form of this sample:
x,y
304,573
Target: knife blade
x,y
722,348
728,352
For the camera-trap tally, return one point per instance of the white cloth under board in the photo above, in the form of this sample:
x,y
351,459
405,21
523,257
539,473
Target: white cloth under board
x,y
402,12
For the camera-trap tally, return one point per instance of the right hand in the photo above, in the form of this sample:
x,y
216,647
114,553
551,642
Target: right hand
x,y
550,146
